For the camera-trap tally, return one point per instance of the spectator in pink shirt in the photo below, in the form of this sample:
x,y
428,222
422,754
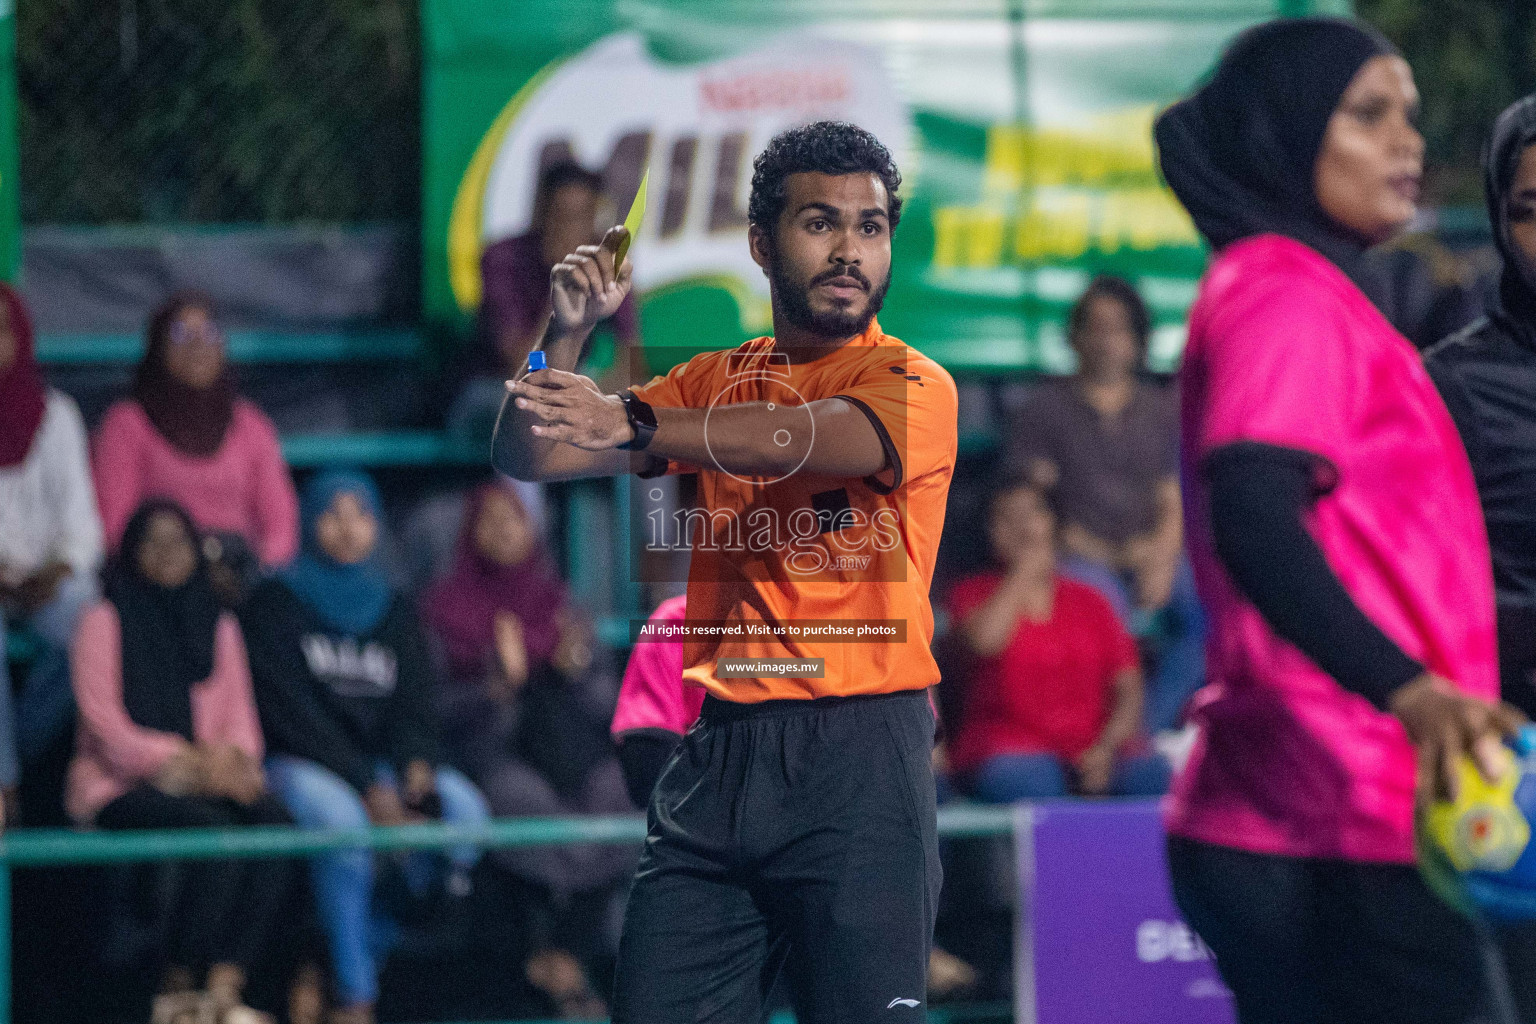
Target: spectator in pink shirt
x,y
185,434
169,738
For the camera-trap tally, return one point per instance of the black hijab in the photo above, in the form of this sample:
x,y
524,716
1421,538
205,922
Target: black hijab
x,y
1514,308
1241,152
167,632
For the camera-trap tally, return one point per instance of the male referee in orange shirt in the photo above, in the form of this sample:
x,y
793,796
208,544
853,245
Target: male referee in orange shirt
x,y
795,826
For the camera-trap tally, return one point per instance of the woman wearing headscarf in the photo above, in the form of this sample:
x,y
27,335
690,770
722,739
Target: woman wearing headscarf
x,y
1337,542
50,539
169,738
344,686
1487,375
526,704
185,433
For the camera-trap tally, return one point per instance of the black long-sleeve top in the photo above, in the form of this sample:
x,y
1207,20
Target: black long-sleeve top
x,y
1487,376
1259,496
345,702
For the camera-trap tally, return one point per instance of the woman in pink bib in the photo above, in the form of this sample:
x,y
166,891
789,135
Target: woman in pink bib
x,y
1337,541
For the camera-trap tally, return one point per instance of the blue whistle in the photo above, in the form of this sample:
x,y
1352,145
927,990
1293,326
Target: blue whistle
x,y
536,360
1524,741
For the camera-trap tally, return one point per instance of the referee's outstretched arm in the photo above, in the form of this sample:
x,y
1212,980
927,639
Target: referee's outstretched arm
x,y
556,425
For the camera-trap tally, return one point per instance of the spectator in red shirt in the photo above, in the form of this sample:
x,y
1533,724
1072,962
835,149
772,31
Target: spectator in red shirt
x,y
1105,440
1053,702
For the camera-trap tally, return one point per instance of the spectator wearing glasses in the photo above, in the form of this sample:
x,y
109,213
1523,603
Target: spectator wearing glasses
x,y
186,434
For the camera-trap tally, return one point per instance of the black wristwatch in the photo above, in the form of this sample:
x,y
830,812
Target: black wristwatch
x,y
641,418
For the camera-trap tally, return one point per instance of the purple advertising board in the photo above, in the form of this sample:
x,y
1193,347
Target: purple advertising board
x,y
1099,938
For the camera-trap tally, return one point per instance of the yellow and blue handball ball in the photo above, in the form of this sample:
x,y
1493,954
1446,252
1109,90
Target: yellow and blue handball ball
x,y
1476,851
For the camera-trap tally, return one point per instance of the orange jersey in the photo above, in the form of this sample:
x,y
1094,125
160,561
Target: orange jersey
x,y
814,566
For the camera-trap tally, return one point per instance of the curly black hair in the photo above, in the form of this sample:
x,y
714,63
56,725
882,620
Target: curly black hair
x,y
830,147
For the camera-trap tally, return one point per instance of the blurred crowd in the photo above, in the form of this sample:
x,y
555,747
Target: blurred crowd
x,y
228,649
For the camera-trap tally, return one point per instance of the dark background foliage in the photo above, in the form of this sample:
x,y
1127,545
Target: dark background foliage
x,y
274,111
235,111
1471,58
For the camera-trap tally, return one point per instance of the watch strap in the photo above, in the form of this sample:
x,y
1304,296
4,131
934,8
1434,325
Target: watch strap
x,y
641,419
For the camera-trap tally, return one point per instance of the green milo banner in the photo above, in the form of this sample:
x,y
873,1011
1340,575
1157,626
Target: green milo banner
x,y
1022,129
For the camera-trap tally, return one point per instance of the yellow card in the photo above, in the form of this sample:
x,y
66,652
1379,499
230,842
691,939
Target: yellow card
x,y
633,220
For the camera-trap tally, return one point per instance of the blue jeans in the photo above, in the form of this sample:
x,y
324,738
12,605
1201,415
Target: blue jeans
x,y
47,701
320,799
1180,647
1009,778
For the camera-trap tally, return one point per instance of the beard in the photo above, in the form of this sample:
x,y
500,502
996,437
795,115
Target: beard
x,y
792,300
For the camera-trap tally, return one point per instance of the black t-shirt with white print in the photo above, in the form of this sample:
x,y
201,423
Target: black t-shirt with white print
x,y
343,701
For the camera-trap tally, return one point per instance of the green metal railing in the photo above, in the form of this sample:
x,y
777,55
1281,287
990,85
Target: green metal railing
x,y
31,848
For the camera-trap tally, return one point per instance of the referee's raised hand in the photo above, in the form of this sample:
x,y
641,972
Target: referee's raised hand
x,y
1445,725
585,287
